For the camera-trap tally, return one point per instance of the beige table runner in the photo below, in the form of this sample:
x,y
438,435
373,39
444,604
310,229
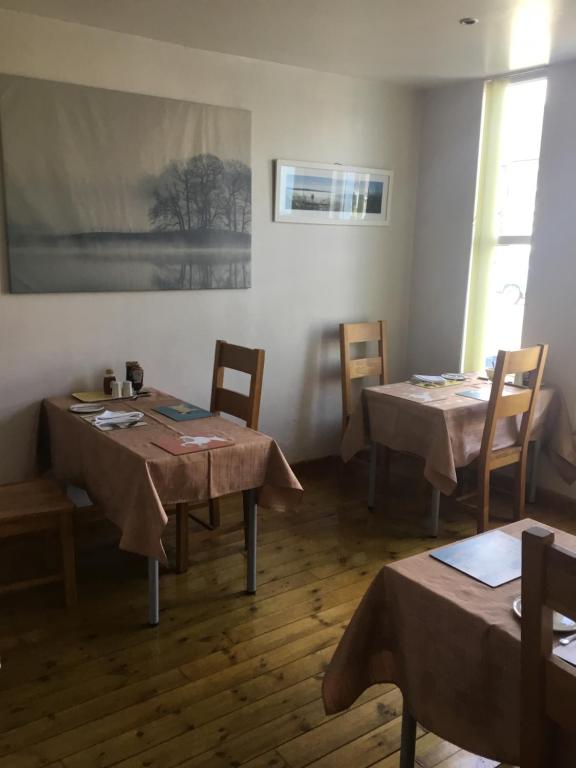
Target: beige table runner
x,y
446,429
131,479
452,644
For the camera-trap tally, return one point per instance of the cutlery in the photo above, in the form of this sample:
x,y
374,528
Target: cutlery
x,y
567,640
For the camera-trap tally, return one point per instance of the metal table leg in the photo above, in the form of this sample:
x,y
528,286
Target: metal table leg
x,y
407,739
372,476
251,523
434,512
153,592
533,476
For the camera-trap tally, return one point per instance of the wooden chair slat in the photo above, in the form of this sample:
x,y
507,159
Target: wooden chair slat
x,y
232,403
523,360
238,358
560,692
361,368
560,581
514,405
358,332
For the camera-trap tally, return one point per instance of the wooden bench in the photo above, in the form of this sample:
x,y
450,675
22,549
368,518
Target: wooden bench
x,y
36,506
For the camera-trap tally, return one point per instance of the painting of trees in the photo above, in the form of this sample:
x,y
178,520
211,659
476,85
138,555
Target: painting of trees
x,y
155,196
202,193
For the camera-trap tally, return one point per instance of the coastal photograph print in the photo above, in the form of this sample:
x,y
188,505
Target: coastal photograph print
x,y
317,193
111,191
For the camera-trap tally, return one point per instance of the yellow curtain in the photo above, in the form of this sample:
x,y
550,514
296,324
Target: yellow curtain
x,y
484,237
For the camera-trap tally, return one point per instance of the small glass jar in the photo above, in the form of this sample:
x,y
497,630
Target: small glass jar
x,y
135,374
107,381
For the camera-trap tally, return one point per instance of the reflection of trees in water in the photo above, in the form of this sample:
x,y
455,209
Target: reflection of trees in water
x,y
200,273
202,193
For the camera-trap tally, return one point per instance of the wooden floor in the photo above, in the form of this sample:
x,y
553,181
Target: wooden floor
x,y
226,680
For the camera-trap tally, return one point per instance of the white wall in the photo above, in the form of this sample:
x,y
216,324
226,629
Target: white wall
x,y
550,313
450,135
306,279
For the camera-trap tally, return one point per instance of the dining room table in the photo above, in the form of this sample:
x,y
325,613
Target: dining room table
x,y
133,480
444,427
451,643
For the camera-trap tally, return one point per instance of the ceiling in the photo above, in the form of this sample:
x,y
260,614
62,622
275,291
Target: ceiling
x,y
416,41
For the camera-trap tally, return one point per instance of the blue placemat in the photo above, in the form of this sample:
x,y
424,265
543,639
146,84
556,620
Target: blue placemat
x,y
493,558
182,411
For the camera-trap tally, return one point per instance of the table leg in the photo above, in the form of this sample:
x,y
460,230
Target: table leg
x,y
407,739
372,476
153,592
434,512
251,523
533,477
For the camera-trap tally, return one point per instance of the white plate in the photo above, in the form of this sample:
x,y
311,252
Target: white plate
x,y
559,623
454,376
87,408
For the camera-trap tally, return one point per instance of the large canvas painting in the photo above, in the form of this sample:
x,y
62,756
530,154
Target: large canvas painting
x,y
109,191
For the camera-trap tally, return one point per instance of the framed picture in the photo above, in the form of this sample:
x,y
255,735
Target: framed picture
x,y
318,193
111,191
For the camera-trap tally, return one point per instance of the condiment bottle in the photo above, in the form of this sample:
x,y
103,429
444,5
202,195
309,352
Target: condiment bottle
x,y
135,374
107,382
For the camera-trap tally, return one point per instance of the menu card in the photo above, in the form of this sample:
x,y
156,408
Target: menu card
x,y
192,443
493,558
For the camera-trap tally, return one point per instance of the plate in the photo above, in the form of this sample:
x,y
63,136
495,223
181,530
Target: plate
x,y
86,408
559,623
454,376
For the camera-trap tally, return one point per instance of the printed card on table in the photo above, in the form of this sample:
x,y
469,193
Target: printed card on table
x,y
182,444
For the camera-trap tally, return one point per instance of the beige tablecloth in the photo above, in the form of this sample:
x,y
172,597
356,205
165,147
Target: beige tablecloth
x,y
452,644
446,429
131,479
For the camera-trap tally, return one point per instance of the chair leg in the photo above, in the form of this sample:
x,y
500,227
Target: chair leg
x,y
214,510
372,470
483,500
68,559
520,488
407,739
181,538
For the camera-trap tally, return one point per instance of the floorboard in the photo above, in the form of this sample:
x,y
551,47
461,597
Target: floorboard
x,y
227,679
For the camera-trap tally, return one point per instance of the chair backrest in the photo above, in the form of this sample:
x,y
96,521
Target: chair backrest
x,y
250,361
530,360
548,683
360,368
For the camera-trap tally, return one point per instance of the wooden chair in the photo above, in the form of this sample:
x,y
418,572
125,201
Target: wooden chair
x,y
522,403
38,506
224,400
361,368
548,719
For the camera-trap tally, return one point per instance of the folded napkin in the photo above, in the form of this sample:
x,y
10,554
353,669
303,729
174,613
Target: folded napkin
x,y
118,417
419,378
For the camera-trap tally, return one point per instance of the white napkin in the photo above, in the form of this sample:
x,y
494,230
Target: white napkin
x,y
118,417
422,379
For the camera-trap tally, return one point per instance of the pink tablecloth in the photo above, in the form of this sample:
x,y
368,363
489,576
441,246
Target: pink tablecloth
x,y
452,644
131,479
446,429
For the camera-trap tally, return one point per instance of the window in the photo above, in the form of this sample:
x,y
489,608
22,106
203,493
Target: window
x,y
508,174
